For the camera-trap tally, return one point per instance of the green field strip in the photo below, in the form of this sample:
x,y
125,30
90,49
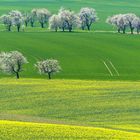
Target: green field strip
x,y
114,68
107,67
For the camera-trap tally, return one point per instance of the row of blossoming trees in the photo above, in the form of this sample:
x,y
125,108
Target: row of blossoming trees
x,y
12,63
68,20
63,20
124,21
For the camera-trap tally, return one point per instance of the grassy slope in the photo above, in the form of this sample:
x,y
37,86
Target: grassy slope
x,y
80,54
34,131
112,105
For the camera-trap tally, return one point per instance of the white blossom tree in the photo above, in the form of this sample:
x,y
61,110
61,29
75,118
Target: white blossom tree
x,y
63,24
13,18
43,16
120,21
136,24
48,66
17,18
33,17
7,21
26,17
87,16
54,22
130,17
68,19
12,62
113,21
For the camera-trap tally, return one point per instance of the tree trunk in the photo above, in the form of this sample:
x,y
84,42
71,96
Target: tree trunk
x,y
9,28
49,75
137,31
63,29
119,30
70,29
88,27
124,30
83,28
17,75
55,29
32,24
42,25
26,23
132,29
18,28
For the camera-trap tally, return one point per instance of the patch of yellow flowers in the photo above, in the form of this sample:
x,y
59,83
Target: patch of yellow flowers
x,y
11,130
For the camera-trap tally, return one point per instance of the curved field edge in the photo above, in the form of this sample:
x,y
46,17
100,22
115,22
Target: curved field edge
x,y
24,131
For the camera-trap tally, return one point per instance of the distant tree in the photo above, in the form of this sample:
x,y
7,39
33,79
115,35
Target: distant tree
x,y
130,17
26,17
43,16
33,17
87,16
17,19
12,62
113,21
54,22
120,21
48,66
68,19
136,24
7,21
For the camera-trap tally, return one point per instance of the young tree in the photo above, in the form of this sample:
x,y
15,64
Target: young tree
x,y
87,16
26,17
54,22
33,17
12,62
7,21
48,66
43,16
68,19
17,19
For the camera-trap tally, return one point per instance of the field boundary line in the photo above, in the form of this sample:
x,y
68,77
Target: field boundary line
x,y
114,68
108,68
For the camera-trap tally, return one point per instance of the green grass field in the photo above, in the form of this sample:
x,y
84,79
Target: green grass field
x,y
85,100
81,55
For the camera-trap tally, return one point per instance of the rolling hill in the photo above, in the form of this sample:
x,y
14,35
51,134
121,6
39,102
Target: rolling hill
x,y
104,104
81,55
95,96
